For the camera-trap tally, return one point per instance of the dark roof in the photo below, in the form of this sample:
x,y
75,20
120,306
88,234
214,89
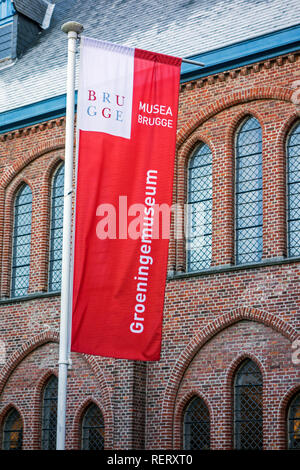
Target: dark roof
x,y
177,27
34,9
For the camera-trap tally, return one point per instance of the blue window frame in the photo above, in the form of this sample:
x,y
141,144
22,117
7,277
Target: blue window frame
x,y
199,237
56,230
21,242
248,193
293,191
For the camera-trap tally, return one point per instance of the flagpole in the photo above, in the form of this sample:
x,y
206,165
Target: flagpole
x,y
72,29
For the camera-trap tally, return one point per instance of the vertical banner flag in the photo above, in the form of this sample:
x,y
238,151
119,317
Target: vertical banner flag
x,y
127,113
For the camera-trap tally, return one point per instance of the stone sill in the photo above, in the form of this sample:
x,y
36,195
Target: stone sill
x,y
232,268
33,296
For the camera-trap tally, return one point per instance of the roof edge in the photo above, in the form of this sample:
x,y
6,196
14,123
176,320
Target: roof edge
x,y
219,60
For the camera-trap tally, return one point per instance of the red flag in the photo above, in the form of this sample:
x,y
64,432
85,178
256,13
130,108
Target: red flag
x,y
127,113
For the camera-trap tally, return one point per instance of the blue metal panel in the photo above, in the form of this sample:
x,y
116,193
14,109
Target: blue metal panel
x,y
216,61
34,113
243,53
6,9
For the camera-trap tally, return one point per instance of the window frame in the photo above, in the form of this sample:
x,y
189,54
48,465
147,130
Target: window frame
x,y
186,446
237,433
83,426
7,442
199,145
287,195
50,261
236,135
294,398
13,246
45,439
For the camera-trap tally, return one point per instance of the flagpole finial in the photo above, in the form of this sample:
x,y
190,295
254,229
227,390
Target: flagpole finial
x,y
72,26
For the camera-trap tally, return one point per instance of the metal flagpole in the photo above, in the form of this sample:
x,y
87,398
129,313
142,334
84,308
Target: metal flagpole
x,y
72,29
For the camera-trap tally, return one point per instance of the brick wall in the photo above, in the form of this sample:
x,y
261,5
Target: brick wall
x,y
212,320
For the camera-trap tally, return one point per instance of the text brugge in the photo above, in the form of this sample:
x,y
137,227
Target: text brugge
x,y
155,115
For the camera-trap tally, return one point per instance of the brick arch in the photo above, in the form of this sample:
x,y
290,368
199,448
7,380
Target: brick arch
x,y
233,99
53,337
199,340
237,120
37,406
229,387
18,165
16,358
281,149
229,144
53,165
4,413
282,413
184,155
108,423
6,228
177,439
46,189
285,130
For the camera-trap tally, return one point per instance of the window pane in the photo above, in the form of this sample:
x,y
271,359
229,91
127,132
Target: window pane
x,y
57,208
248,193
293,191
294,424
21,242
49,415
199,209
13,431
93,429
196,426
248,422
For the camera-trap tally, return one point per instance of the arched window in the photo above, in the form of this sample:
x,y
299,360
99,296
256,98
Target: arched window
x,y
293,191
196,425
199,237
248,193
49,414
294,423
12,431
92,429
21,242
248,413
56,230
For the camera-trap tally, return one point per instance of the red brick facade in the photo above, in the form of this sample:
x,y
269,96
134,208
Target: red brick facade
x,y
212,320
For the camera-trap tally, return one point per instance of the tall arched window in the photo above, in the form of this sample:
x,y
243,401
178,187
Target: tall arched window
x,y
21,242
248,412
293,191
199,238
248,193
56,230
49,414
294,423
92,429
12,431
196,425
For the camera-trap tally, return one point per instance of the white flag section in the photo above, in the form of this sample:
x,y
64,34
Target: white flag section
x,y
105,93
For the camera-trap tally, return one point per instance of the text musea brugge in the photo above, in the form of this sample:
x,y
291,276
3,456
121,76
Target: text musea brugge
x,y
155,115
